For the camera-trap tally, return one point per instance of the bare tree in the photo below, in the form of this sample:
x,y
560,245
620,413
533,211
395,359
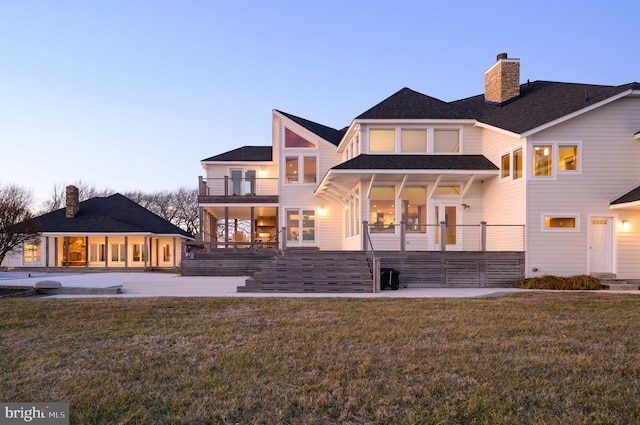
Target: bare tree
x,y
58,194
17,224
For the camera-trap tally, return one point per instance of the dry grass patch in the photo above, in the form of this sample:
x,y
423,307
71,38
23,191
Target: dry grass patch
x,y
533,358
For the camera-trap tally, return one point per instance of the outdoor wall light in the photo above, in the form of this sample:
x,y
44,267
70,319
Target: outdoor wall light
x,y
465,206
625,224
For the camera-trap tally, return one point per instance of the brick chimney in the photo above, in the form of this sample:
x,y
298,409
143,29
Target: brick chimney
x,y
73,201
502,80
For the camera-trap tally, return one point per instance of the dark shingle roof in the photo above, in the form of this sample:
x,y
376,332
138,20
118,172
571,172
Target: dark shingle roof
x,y
632,196
539,103
409,104
417,162
112,214
245,153
327,133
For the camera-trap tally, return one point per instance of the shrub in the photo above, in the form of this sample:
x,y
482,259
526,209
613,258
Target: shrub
x,y
575,283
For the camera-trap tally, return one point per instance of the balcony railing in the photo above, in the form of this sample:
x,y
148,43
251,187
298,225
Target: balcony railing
x,y
238,186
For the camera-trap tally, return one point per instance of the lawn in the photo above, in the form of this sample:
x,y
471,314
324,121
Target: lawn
x,y
535,358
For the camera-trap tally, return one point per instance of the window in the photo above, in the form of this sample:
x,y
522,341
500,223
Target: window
x,y
301,225
447,190
382,141
560,222
505,165
382,209
446,141
413,141
166,253
414,208
517,164
138,252
96,252
31,253
567,157
292,140
542,160
117,252
309,169
291,169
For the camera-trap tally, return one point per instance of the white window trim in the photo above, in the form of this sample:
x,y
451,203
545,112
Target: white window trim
x,y
300,181
543,228
555,145
430,140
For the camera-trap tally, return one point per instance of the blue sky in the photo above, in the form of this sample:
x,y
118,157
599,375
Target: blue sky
x,y
131,95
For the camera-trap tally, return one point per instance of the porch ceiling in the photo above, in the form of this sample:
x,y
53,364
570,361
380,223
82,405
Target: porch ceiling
x,y
241,213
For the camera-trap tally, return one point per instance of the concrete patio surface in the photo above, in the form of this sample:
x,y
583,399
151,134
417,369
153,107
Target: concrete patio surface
x,y
151,284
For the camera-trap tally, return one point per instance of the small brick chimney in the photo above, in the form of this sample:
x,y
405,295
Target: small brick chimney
x,y
502,80
73,201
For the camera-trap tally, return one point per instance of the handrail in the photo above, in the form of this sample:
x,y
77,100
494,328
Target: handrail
x,y
240,186
374,263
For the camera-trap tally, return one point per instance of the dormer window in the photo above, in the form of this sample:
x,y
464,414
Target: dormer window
x,y
382,141
446,141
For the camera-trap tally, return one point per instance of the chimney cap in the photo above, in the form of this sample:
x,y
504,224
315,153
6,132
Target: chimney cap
x,y
502,56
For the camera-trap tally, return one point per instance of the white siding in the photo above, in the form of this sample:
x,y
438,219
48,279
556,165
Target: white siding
x,y
610,158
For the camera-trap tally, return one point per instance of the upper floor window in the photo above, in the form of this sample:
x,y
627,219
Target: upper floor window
x,y
446,141
517,164
549,158
542,160
292,140
567,157
305,166
382,141
505,165
414,141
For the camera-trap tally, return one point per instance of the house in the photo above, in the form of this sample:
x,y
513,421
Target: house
x,y
546,168
104,232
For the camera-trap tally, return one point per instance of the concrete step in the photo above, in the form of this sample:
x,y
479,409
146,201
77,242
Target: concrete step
x,y
619,285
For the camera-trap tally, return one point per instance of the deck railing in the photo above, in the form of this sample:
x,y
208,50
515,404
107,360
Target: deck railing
x,y
443,236
374,262
238,186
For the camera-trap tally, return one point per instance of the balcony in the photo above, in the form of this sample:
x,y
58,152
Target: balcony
x,y
241,190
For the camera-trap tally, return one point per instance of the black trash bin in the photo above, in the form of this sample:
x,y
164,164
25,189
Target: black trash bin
x,y
389,279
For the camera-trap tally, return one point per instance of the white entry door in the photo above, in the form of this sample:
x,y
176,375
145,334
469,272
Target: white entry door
x,y
448,213
601,245
301,227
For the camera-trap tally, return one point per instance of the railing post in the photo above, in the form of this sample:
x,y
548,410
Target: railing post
x,y
376,275
403,235
365,230
483,236
443,236
226,185
284,238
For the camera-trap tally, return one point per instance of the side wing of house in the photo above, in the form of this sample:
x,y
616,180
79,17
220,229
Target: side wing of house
x,y
573,170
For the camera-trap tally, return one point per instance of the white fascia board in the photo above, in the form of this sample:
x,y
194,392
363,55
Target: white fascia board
x,y
576,114
635,205
205,163
353,127
498,130
425,121
405,171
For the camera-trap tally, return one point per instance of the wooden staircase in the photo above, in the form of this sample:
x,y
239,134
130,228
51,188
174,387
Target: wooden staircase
x,y
313,271
610,282
227,262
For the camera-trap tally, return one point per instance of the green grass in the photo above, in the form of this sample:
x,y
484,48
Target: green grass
x,y
535,358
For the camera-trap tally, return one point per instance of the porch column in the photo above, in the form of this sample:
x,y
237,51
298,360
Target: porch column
x,y
126,252
403,235
106,252
145,252
226,226
483,235
443,236
66,251
86,251
46,251
175,253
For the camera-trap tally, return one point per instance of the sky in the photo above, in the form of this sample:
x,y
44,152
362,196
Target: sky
x,y
130,95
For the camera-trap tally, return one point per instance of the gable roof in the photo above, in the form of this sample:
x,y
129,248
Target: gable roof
x,y
327,133
245,153
410,104
632,196
417,162
111,214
